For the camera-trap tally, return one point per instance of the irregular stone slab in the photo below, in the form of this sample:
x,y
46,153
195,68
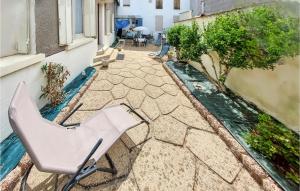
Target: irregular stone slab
x,y
138,73
95,99
160,73
136,135
80,116
154,80
145,63
164,167
148,70
102,85
117,102
115,79
116,65
121,158
134,83
166,103
39,181
153,91
136,98
127,185
210,149
191,118
245,182
208,180
119,91
113,71
184,100
170,89
126,69
150,108
102,75
126,74
168,80
158,67
168,129
133,66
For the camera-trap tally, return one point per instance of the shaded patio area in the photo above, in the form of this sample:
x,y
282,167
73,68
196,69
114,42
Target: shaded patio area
x,y
182,153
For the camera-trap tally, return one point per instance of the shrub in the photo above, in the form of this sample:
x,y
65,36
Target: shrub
x,y
55,75
191,43
254,39
277,143
173,38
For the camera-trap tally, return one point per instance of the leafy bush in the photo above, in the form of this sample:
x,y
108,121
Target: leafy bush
x,y
173,38
191,43
277,143
55,75
254,39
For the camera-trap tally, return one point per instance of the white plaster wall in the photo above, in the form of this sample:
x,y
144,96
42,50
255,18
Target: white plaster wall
x,y
76,60
147,10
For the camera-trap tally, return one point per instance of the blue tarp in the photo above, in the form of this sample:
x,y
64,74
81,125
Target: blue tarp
x,y
122,23
12,150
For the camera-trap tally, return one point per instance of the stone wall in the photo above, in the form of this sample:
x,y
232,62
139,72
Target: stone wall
x,y
46,21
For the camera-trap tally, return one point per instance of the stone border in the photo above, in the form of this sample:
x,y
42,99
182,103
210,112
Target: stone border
x,y
10,181
256,171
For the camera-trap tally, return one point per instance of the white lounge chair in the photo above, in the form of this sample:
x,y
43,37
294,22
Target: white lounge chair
x,y
73,151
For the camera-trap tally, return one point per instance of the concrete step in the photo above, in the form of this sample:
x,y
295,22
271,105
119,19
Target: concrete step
x,y
108,59
97,63
100,52
106,55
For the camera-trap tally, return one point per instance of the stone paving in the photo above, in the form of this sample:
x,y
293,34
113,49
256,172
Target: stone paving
x,y
183,153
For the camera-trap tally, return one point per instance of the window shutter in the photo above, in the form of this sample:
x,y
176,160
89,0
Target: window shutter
x,y
107,22
89,18
65,22
23,33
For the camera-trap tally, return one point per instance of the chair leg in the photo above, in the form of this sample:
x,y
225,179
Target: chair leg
x,y
111,164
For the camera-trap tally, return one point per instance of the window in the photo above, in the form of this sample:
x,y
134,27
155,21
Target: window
x,y
159,22
77,13
176,4
77,18
14,33
126,3
159,4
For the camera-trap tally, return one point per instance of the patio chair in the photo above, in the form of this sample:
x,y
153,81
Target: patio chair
x,y
164,51
54,148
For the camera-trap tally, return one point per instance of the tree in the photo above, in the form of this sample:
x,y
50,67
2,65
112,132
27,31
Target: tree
x,y
193,46
254,39
173,38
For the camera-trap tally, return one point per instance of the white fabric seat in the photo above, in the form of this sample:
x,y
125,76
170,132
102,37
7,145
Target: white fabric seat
x,y
57,149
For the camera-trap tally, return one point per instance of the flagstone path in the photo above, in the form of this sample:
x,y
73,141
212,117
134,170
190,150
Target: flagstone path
x,y
183,153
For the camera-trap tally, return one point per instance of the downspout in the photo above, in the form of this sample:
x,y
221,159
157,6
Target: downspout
x,y
202,7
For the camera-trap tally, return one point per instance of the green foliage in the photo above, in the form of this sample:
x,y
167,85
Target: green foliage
x,y
191,43
254,39
277,143
55,75
173,37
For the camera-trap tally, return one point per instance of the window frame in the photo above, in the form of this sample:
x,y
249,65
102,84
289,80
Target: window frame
x,y
159,2
127,4
77,35
177,5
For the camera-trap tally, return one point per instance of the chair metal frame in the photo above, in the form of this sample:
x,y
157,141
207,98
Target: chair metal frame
x,y
89,165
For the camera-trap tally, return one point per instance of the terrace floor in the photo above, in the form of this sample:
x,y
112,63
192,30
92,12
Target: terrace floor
x,y
183,152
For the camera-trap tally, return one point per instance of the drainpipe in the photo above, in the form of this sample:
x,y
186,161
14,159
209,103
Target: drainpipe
x,y
202,7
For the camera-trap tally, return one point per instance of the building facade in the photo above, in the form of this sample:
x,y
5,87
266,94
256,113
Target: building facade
x,y
33,33
156,15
